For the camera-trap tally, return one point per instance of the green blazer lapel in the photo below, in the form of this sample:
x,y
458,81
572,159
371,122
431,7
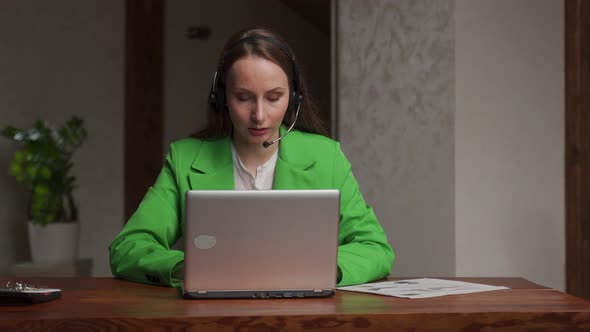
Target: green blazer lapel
x,y
212,168
293,170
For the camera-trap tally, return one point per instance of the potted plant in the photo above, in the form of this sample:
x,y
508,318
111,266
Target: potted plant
x,y
44,164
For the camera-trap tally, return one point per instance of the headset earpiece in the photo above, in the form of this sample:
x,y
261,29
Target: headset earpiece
x,y
220,102
294,101
217,94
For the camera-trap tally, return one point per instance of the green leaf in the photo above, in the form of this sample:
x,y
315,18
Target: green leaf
x,y
45,163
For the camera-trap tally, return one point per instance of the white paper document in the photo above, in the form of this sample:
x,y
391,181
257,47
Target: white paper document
x,y
421,288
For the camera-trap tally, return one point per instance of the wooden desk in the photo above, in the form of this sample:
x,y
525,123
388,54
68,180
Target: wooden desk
x,y
101,304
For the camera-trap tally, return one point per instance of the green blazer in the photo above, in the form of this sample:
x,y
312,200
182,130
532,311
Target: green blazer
x,y
142,251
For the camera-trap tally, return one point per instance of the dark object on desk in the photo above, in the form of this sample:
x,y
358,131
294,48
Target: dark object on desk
x,y
16,293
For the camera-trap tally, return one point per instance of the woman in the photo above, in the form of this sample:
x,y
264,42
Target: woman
x,y
258,96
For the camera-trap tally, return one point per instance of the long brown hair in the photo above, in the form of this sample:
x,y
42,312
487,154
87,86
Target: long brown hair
x,y
219,123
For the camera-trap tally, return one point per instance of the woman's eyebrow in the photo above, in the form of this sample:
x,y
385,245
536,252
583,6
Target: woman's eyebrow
x,y
277,89
238,89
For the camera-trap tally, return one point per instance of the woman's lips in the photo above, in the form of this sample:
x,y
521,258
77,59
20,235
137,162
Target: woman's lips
x,y
257,131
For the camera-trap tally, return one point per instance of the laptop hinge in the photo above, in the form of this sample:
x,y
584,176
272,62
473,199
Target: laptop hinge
x,y
202,292
318,290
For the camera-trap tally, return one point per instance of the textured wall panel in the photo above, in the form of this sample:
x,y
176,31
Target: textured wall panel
x,y
395,104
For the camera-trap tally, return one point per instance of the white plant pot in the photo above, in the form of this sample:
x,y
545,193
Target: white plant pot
x,y
56,242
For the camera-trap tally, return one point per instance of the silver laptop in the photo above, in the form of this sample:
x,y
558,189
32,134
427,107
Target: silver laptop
x,y
261,243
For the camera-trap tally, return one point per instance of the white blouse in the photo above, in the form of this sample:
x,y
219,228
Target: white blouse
x,y
265,173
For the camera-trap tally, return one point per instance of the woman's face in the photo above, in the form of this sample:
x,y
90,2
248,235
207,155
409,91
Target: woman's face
x,y
257,98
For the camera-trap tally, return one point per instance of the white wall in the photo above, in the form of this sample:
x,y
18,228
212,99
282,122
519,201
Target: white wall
x,y
509,139
190,63
60,58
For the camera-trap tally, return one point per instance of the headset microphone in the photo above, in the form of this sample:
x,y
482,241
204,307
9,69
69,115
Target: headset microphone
x,y
267,144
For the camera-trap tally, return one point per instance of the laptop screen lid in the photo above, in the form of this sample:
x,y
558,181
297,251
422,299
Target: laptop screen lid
x,y
261,243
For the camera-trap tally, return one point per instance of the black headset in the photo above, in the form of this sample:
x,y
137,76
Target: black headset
x,y
217,95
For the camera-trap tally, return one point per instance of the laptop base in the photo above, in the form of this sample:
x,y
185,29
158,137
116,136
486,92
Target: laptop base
x,y
275,294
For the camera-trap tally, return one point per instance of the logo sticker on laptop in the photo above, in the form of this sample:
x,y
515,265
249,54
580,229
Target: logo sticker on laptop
x,y
205,241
